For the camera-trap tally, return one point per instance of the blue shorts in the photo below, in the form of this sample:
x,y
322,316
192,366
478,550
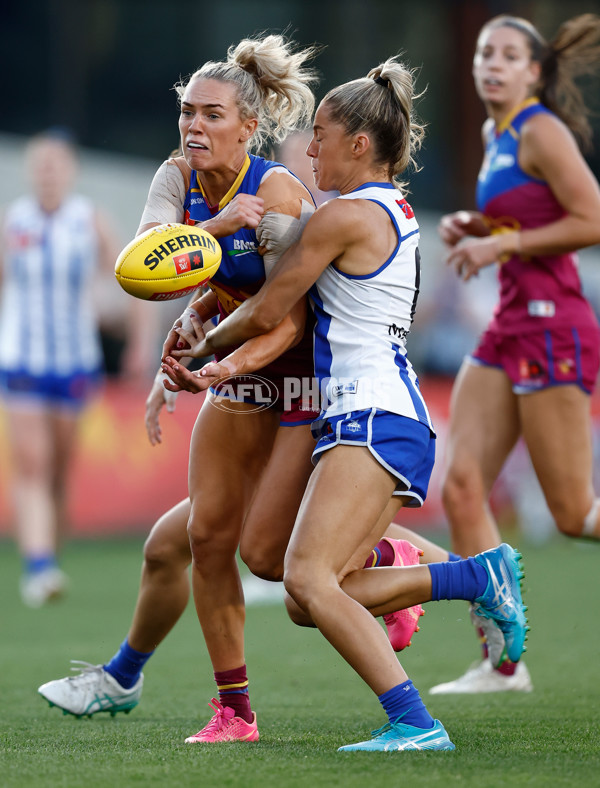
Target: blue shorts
x,y
65,391
405,447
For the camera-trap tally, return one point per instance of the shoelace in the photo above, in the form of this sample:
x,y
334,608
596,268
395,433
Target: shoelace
x,y
83,667
389,725
384,729
220,718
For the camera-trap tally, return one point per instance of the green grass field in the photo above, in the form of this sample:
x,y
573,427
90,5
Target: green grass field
x,y
308,701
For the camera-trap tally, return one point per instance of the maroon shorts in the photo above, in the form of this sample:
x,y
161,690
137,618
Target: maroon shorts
x,y
539,359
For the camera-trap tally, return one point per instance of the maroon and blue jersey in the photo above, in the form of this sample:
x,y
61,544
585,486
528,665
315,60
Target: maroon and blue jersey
x,y
242,272
536,292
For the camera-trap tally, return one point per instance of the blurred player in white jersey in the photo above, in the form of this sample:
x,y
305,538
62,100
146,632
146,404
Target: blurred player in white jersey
x,y
54,243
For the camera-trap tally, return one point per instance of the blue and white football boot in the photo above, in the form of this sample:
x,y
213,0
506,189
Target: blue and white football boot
x,y
501,602
398,736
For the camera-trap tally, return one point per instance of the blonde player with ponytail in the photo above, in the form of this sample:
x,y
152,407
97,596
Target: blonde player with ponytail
x,y
249,465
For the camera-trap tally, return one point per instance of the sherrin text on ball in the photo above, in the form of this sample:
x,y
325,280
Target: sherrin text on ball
x,y
167,261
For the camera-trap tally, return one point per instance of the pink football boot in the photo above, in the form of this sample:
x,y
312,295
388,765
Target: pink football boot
x,y
402,624
225,726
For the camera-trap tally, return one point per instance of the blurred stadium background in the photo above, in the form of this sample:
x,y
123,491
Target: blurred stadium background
x,y
105,68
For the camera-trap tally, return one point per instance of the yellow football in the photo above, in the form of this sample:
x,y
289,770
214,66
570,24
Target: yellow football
x,y
167,261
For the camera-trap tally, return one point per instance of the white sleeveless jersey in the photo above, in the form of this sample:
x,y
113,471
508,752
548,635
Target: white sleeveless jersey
x,y
363,321
47,318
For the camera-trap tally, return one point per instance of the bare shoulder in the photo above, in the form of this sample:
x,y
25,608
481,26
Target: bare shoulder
x,y
486,129
354,219
281,187
545,140
545,126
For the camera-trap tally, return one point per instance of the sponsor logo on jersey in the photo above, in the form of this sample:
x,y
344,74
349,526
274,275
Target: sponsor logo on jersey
x,y
244,246
397,331
339,389
541,308
503,161
529,369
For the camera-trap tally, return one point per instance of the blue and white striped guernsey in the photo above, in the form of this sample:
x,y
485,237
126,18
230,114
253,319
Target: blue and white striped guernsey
x,y
47,318
363,321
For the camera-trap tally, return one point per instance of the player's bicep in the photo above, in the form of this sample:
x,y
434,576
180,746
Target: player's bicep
x,y
321,243
288,207
165,198
551,154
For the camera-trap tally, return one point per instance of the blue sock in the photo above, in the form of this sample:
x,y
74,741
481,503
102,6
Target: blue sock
x,y
454,557
465,579
404,701
37,563
127,665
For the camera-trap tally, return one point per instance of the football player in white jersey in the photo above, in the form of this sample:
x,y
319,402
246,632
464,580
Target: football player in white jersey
x,y
54,243
358,259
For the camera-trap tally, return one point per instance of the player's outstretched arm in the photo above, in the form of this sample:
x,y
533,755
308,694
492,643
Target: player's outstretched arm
x,y
328,233
253,355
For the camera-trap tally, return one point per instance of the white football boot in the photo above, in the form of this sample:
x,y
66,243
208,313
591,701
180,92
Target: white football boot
x,y
38,588
481,677
492,636
93,690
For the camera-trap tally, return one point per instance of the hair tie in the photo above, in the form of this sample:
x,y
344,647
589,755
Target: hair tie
x,y
382,81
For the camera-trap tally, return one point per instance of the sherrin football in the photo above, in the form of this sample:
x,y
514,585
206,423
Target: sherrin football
x,y
167,261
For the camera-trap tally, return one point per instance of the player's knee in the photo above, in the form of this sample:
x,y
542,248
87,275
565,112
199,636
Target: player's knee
x,y
167,544
570,519
298,583
296,614
261,562
160,554
210,540
460,489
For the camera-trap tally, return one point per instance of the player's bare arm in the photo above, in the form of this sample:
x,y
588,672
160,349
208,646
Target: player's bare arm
x,y
254,354
329,235
548,151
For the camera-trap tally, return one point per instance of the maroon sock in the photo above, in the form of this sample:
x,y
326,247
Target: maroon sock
x,y
381,555
233,691
507,668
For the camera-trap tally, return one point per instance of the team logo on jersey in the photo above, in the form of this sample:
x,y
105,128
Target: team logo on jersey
x,y
406,208
190,261
353,426
565,366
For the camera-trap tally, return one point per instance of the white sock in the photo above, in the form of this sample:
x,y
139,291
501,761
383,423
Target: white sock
x,y
589,524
